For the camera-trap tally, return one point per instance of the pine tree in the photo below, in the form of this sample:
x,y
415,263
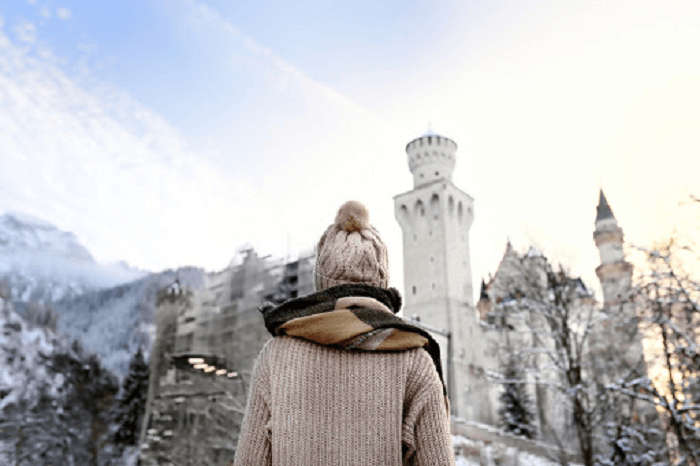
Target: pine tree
x,y
132,401
514,412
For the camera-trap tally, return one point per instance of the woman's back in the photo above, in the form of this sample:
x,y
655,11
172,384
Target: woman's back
x,y
327,406
345,381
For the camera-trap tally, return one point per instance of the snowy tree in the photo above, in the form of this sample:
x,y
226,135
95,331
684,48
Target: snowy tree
x,y
41,315
669,307
131,403
552,316
5,289
515,411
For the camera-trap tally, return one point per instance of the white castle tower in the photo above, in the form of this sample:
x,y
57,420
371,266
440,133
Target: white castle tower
x,y
614,273
617,344
435,217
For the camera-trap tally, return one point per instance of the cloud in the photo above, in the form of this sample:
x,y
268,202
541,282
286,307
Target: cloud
x,y
199,11
25,32
97,162
63,13
45,12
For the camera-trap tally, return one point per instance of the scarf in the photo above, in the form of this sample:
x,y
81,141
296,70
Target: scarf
x,y
351,317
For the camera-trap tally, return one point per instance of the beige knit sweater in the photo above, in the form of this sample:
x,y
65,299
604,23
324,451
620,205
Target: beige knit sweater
x,y
314,405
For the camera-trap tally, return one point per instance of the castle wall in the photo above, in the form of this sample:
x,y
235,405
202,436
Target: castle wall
x,y
195,414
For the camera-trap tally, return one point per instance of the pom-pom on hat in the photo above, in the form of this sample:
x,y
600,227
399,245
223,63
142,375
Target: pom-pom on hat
x,y
351,251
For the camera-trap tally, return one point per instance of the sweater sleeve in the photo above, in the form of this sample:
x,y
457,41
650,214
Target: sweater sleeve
x,y
254,448
426,433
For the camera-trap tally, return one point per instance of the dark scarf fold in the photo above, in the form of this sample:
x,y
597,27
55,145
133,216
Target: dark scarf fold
x,y
352,317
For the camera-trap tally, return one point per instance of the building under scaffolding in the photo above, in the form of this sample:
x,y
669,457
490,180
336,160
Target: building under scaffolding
x,y
206,344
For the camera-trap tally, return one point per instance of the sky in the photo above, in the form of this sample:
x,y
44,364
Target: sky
x,y
170,133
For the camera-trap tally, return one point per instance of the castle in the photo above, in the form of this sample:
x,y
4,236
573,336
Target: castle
x,y
435,218
207,339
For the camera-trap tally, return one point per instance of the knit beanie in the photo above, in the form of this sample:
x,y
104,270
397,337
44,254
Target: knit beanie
x,y
351,251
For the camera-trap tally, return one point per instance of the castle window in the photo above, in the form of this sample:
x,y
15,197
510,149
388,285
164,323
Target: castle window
x,y
437,173
419,207
414,289
433,285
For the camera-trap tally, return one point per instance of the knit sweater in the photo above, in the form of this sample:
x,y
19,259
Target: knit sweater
x,y
315,405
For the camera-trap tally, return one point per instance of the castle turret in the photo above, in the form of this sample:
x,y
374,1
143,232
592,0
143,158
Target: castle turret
x,y
614,273
616,343
435,218
431,157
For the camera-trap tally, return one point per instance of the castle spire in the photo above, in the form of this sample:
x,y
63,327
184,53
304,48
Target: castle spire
x,y
613,272
603,210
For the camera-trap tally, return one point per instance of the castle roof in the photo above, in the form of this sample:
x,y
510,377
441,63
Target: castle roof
x,y
483,294
603,210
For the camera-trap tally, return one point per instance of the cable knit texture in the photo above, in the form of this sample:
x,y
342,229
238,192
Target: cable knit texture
x,y
351,251
314,405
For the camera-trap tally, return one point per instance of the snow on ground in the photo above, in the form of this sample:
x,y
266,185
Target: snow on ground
x,y
470,452
530,459
462,461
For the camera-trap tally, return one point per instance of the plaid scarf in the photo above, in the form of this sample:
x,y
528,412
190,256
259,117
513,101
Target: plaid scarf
x,y
351,317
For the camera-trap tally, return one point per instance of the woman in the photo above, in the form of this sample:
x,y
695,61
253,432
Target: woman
x,y
345,381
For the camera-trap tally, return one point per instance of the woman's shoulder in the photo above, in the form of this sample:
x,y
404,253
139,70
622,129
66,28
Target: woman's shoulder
x,y
416,358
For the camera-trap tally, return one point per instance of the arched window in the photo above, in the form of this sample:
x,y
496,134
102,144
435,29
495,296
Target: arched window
x,y
404,215
420,209
435,205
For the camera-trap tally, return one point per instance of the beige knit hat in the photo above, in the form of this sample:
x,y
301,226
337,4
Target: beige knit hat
x,y
351,251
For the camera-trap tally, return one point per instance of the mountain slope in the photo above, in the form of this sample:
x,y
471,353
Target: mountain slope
x,y
40,263
114,322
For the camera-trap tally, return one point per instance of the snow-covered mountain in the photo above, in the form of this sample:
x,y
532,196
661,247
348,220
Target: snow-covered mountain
x,y
40,263
114,322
